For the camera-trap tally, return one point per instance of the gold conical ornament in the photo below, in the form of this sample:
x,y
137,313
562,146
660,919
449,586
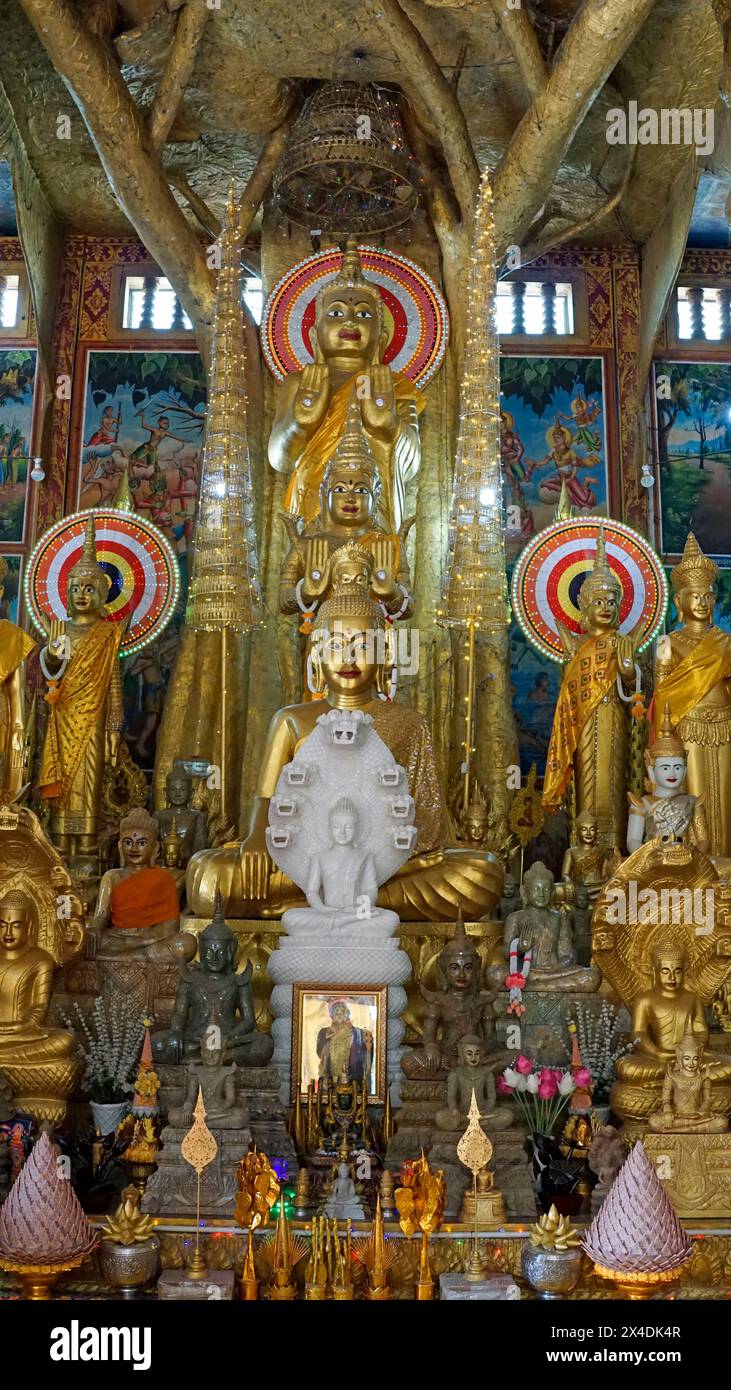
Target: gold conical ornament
x,y
123,499
377,1255
283,1251
206,704
87,566
198,1148
693,565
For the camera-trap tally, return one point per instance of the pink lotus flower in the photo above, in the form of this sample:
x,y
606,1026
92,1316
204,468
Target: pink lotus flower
x,y
524,1065
502,1087
548,1088
547,1074
582,1077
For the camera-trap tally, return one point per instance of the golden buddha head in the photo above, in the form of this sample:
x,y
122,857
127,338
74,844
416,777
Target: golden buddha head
x,y
88,584
172,844
17,922
665,758
139,839
689,1054
350,649
600,594
476,820
538,885
458,965
470,1051
669,964
587,829
350,329
351,488
693,583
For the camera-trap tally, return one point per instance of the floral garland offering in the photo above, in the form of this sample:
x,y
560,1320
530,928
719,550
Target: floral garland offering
x,y
515,980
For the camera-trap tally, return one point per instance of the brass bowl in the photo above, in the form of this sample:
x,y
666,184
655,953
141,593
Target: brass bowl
x,y
129,1267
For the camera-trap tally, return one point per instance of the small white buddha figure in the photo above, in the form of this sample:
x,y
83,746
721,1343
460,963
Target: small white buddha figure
x,y
668,812
342,886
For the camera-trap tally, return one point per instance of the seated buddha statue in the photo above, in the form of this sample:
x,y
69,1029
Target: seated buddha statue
x,y
137,908
350,503
41,1063
457,1008
663,1017
348,342
547,933
686,1094
189,822
472,1076
350,654
669,812
214,1079
586,862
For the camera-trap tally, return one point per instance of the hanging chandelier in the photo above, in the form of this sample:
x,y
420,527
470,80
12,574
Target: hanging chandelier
x,y
346,167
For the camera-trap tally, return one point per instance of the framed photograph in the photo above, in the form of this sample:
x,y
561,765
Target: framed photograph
x,y
336,1030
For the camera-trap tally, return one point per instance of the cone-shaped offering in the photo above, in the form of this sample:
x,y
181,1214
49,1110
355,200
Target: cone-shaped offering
x,y
43,1229
635,1237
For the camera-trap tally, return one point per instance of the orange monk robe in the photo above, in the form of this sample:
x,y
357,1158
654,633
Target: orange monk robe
x,y
143,899
588,677
302,497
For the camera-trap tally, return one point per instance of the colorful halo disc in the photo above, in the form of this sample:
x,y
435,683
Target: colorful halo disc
x,y
416,313
138,558
551,569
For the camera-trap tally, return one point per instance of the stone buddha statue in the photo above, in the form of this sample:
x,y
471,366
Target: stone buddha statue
x,y
546,932
350,503
693,676
312,405
669,813
213,984
590,734
137,908
85,714
190,823
586,862
216,1082
350,656
41,1063
686,1094
457,1008
15,647
472,1074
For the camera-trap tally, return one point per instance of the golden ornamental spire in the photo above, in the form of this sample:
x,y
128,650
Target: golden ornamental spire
x,y
601,579
123,497
475,589
225,588
353,450
87,566
693,565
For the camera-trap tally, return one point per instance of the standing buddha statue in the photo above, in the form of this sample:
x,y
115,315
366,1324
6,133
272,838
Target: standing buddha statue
x,y
15,646
693,675
85,714
590,734
312,404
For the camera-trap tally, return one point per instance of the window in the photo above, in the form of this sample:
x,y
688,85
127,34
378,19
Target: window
x,y
535,308
253,296
9,301
150,302
703,313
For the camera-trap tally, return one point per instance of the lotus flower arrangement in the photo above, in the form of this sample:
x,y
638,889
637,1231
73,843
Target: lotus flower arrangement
x,y
541,1093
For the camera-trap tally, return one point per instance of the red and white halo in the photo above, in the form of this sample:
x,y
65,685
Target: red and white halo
x,y
552,567
138,558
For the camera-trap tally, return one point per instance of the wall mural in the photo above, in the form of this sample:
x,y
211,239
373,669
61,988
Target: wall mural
x,y
553,429
10,602
145,411
693,434
17,377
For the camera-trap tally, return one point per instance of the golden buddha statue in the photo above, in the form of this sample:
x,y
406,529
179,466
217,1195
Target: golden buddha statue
x,y
350,656
350,503
662,1018
348,341
15,646
590,735
693,676
85,714
41,1063
586,863
686,1094
138,907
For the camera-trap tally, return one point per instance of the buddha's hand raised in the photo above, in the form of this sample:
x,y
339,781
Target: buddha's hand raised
x,y
378,404
313,395
625,657
317,570
256,867
58,646
383,582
